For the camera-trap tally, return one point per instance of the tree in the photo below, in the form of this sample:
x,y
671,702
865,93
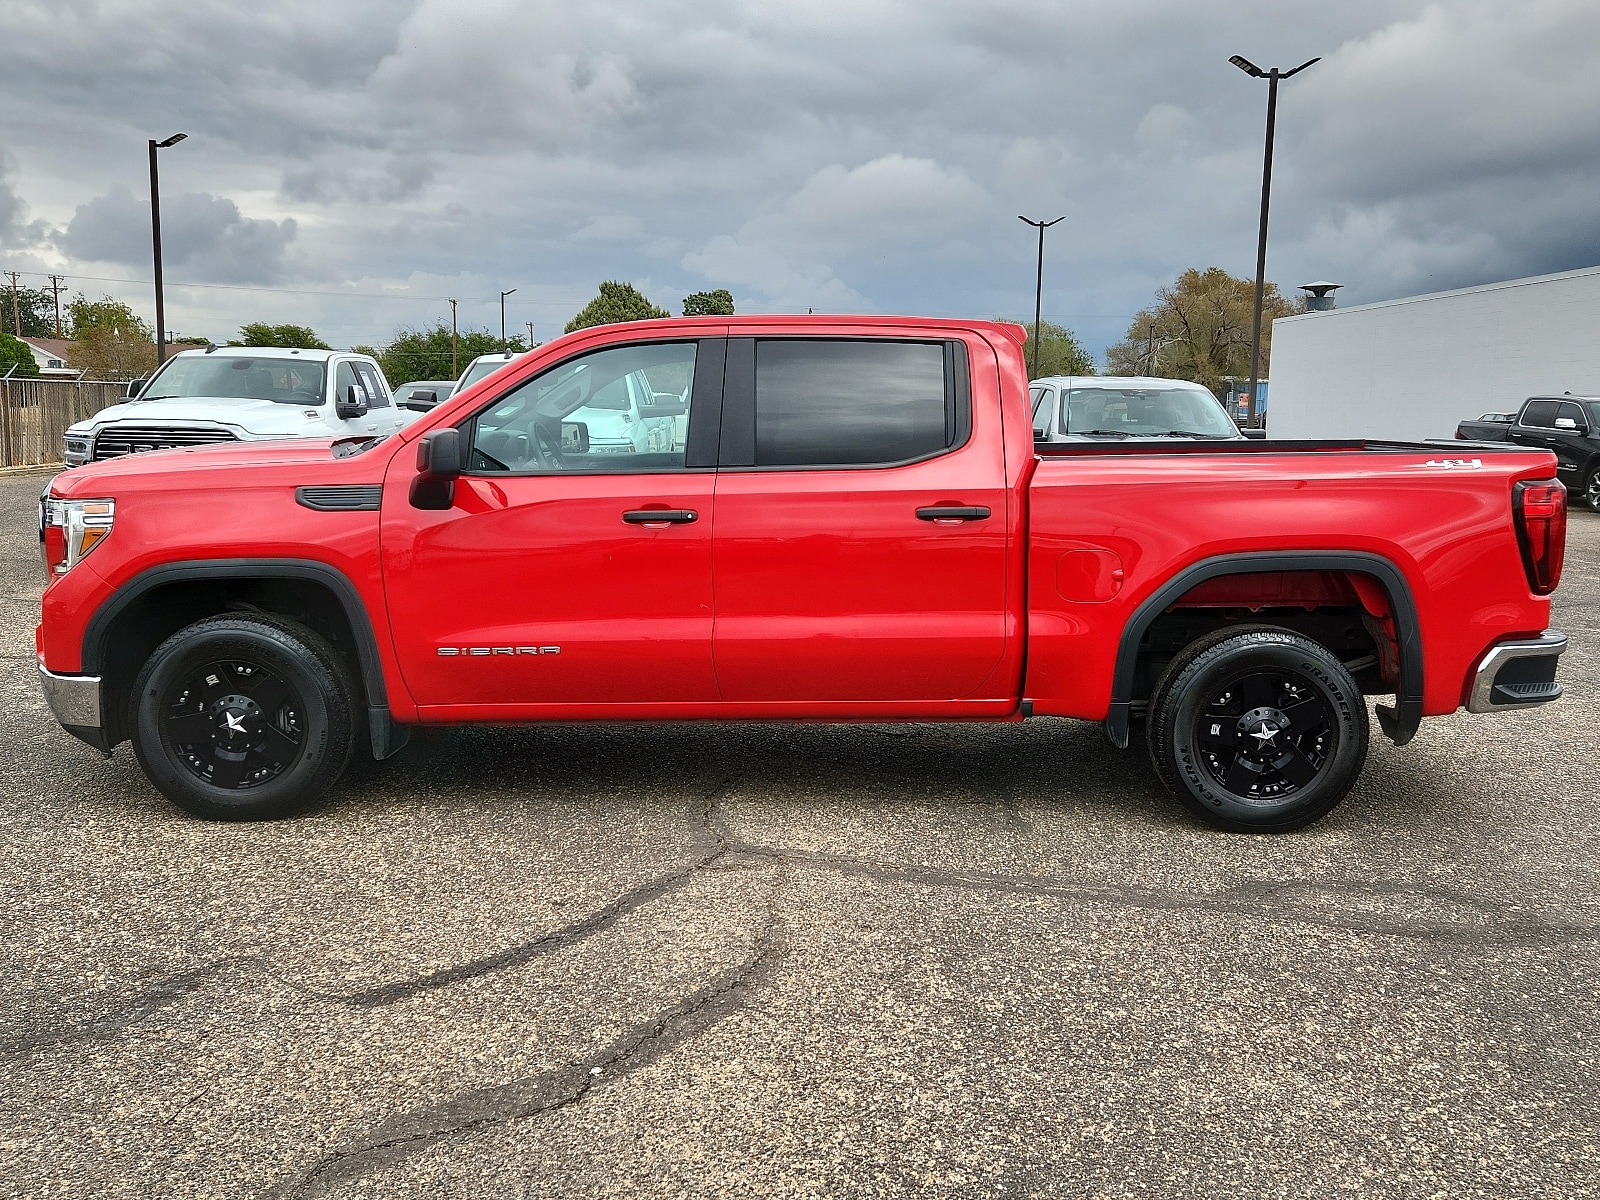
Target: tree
x,y
425,353
106,352
1059,352
617,302
16,358
105,313
301,337
709,304
1199,329
34,307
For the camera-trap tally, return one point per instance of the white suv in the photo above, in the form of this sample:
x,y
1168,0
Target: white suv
x,y
242,393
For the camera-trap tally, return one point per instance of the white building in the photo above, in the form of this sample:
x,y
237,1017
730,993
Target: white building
x,y
1413,368
50,356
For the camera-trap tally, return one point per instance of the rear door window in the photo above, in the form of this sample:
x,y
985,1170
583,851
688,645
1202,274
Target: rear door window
x,y
834,403
1541,414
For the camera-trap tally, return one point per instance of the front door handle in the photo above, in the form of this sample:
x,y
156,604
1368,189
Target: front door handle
x,y
952,513
660,516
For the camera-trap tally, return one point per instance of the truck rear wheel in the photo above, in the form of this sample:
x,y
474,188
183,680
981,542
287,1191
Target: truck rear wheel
x,y
1257,729
243,717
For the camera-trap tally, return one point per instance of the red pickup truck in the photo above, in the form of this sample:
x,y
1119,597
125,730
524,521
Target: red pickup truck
x,y
825,519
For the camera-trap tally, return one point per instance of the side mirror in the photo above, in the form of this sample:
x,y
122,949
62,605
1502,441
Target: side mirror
x,y
1255,435
439,463
1566,423
574,437
420,401
135,386
666,404
350,405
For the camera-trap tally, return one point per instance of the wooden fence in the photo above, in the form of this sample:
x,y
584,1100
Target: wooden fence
x,y
34,413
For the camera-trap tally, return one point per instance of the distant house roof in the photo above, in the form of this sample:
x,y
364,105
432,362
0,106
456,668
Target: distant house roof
x,y
52,356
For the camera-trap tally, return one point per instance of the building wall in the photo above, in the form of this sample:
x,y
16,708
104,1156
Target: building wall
x,y
1414,368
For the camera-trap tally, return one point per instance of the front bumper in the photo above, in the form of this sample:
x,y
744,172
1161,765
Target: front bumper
x,y
1517,675
75,701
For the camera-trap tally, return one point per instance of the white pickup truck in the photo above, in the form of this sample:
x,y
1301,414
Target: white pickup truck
x,y
242,393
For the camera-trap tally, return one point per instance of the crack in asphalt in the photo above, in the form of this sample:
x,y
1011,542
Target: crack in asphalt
x,y
549,1091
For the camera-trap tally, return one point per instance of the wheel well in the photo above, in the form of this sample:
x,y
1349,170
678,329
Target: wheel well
x,y
154,615
1346,611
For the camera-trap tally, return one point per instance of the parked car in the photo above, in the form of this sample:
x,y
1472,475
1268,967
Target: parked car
x,y
1568,425
241,394
1086,408
856,526
481,368
422,394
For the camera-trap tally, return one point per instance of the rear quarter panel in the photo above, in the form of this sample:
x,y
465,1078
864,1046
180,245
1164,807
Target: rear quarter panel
x,y
1448,529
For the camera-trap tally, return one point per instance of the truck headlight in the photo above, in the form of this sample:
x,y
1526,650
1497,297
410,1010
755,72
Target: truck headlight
x,y
69,529
75,450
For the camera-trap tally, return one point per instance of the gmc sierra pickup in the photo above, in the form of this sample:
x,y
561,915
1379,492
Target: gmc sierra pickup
x,y
850,522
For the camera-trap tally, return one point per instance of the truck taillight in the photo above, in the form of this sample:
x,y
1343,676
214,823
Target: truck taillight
x,y
1540,508
70,529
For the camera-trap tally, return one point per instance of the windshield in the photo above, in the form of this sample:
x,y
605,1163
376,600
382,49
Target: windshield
x,y
479,370
287,381
1146,412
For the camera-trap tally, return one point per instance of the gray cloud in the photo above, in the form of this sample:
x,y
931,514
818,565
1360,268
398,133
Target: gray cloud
x,y
863,154
202,236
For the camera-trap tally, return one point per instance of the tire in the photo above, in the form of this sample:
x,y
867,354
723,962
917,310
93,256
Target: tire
x,y
1303,714
1591,490
245,717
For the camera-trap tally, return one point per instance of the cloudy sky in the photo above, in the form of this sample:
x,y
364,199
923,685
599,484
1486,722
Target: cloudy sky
x,y
349,163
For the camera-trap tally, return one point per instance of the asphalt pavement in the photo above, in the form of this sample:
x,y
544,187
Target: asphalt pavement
x,y
720,960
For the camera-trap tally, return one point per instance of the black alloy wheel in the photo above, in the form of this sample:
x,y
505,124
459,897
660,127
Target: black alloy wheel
x,y
1591,491
234,725
1258,729
243,717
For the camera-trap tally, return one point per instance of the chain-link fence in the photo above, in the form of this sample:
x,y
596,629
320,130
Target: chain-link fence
x,y
34,413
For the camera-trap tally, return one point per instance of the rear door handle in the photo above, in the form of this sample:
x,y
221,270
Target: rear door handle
x,y
937,513
660,516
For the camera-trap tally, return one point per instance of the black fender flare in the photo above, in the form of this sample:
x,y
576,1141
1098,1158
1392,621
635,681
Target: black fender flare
x,y
1399,723
387,737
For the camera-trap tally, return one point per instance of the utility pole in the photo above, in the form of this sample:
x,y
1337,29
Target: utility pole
x,y
1038,288
56,288
16,311
530,335
503,296
1272,77
455,371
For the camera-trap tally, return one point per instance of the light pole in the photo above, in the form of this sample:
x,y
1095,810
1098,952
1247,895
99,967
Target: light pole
x,y
1272,77
1038,287
503,296
155,242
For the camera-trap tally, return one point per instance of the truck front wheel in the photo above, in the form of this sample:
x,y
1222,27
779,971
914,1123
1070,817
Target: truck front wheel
x,y
1257,729
242,717
1591,490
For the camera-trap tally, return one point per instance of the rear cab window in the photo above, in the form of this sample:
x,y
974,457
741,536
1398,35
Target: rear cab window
x,y
1540,414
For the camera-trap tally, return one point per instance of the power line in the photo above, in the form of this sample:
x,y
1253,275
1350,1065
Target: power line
x,y
242,287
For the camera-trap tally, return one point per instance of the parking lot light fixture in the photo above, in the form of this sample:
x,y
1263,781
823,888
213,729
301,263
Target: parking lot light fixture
x,y
503,296
1272,77
1038,286
155,243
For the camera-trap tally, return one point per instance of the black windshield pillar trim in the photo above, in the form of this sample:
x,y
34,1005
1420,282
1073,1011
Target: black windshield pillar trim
x,y
705,404
1399,723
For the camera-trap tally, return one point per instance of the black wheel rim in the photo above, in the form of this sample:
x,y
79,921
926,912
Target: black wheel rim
x,y
1266,736
234,724
1591,494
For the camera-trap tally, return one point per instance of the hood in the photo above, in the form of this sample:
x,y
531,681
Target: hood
x,y
253,416
97,477
603,422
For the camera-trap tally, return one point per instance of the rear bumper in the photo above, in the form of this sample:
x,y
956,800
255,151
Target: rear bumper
x,y
1517,675
75,701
